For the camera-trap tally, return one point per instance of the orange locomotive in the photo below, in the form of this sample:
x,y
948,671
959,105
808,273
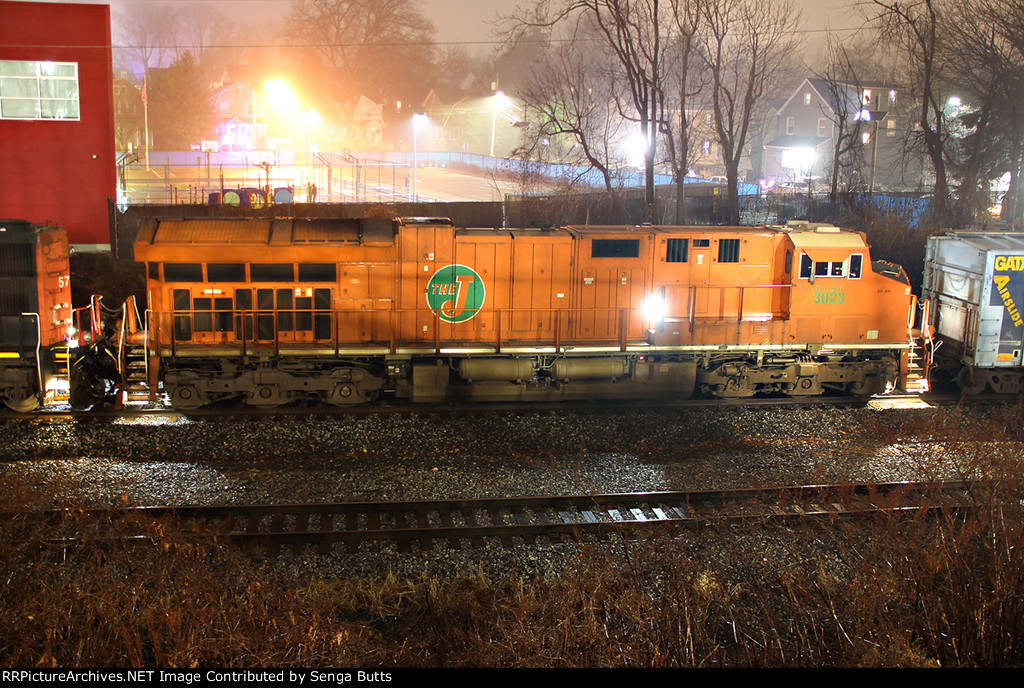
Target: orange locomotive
x,y
341,311
35,313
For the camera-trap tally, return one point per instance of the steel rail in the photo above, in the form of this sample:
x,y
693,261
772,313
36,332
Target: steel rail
x,y
513,519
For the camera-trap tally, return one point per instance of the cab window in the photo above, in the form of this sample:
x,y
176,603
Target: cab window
x,y
849,268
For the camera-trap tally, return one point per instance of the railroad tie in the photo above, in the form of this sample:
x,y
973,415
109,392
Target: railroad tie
x,y
469,516
301,527
448,522
326,526
524,520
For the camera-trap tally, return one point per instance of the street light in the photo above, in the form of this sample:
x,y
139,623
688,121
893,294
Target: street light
x,y
499,101
416,120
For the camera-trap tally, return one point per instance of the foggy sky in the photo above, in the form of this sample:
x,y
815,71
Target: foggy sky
x,y
467,20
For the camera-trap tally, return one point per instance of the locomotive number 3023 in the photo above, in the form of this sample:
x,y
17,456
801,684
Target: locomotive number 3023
x,y
832,296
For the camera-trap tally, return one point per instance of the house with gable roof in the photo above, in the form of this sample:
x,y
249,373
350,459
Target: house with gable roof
x,y
863,119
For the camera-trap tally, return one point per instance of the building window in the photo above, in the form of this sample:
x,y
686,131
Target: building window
x,y
890,127
790,125
707,148
38,90
807,99
437,133
822,126
867,96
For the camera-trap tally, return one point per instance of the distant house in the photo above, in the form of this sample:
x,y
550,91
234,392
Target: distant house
x,y
458,122
811,121
451,116
240,118
364,129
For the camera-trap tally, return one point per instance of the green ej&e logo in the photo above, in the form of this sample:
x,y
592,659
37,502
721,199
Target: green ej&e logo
x,y
455,293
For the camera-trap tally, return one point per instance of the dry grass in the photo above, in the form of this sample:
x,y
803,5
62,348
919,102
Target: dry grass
x,y
895,591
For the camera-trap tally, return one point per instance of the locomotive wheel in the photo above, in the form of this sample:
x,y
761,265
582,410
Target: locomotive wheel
x,y
186,397
266,396
24,406
348,394
970,381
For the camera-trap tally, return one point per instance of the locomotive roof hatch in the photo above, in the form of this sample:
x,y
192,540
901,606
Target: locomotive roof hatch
x,y
278,232
816,238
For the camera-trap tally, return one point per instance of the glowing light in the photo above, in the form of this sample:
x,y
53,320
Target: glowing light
x,y
799,159
636,146
654,308
280,95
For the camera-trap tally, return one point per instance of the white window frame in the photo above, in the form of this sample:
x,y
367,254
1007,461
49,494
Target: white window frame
x,y
42,74
810,266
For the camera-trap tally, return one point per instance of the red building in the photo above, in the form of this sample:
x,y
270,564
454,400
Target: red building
x,y
57,118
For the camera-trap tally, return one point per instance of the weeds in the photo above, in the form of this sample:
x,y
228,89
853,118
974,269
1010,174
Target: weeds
x,y
897,590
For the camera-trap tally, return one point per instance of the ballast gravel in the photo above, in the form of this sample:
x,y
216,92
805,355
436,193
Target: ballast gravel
x,y
86,461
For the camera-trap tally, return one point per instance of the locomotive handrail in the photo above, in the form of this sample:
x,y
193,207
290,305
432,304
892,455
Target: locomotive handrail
x,y
39,338
492,328
728,309
162,331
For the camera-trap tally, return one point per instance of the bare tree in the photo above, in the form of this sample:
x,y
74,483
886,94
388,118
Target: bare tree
x,y
842,89
684,85
201,28
914,26
573,93
634,32
377,48
744,46
1007,19
147,35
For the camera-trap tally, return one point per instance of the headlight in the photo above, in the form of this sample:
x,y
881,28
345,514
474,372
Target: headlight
x,y
654,308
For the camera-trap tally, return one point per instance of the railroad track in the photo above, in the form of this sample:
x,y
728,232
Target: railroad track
x,y
475,523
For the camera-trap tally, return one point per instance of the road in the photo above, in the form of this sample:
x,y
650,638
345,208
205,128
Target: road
x,y
437,184
185,185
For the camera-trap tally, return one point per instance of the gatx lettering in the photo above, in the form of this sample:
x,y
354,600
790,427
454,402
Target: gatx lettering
x,y
1009,263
